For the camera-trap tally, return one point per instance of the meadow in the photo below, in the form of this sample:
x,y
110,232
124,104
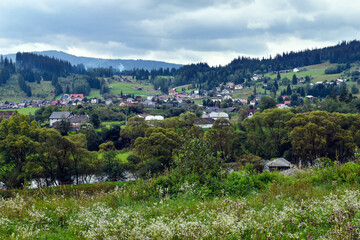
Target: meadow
x,y
132,88
316,203
25,111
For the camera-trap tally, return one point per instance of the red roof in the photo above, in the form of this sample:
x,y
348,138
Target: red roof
x,y
53,103
287,102
77,95
172,91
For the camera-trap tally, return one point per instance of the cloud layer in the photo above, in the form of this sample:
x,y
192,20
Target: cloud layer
x,y
213,31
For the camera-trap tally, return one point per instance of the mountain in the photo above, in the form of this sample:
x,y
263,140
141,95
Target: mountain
x,y
120,64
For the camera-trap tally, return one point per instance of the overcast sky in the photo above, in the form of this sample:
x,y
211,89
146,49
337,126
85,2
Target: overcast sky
x,y
178,31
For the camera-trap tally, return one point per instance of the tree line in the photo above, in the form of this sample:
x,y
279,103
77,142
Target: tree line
x,y
29,152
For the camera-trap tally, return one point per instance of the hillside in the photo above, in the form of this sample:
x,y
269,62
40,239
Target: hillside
x,y
120,64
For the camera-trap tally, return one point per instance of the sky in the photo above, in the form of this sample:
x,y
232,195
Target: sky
x,y
177,31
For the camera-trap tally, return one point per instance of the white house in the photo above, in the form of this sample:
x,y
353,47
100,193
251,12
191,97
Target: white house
x,y
58,116
155,117
216,115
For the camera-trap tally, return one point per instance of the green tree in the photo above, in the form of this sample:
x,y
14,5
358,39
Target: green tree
x,y
294,80
194,159
267,102
156,149
95,120
220,136
267,134
64,127
113,168
17,149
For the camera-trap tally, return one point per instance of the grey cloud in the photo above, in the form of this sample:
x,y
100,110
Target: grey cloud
x,y
138,27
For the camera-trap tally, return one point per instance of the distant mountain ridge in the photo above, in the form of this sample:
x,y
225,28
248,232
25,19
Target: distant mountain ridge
x,y
120,64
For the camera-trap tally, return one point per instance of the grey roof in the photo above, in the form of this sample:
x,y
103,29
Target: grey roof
x,y
59,115
79,119
204,121
279,162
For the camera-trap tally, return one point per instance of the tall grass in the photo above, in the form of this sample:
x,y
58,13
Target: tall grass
x,y
317,203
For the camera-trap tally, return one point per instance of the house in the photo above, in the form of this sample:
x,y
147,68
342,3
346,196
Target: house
x,y
310,97
22,105
149,103
216,115
279,164
205,122
225,91
251,112
282,106
231,85
155,117
75,121
94,100
58,116
149,117
295,70
287,102
150,97
253,102
227,97
244,101
172,92
76,96
238,86
54,103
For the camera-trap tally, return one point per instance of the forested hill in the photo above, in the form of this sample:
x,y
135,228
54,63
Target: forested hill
x,y
117,64
243,68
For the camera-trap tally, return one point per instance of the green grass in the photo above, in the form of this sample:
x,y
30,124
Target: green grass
x,y
132,88
11,90
122,156
178,88
25,111
315,71
313,204
106,123
42,90
94,93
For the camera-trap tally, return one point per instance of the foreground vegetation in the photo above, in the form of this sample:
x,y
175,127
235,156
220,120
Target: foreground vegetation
x,y
320,203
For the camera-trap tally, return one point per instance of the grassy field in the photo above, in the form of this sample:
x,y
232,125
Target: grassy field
x,y
315,71
25,111
132,88
312,204
179,88
94,93
11,90
42,90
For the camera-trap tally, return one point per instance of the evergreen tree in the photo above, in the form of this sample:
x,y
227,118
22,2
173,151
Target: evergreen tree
x,y
343,95
294,80
288,90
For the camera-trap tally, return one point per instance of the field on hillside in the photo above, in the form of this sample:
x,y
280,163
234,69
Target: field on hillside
x,y
12,92
317,72
25,111
132,88
179,88
312,204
